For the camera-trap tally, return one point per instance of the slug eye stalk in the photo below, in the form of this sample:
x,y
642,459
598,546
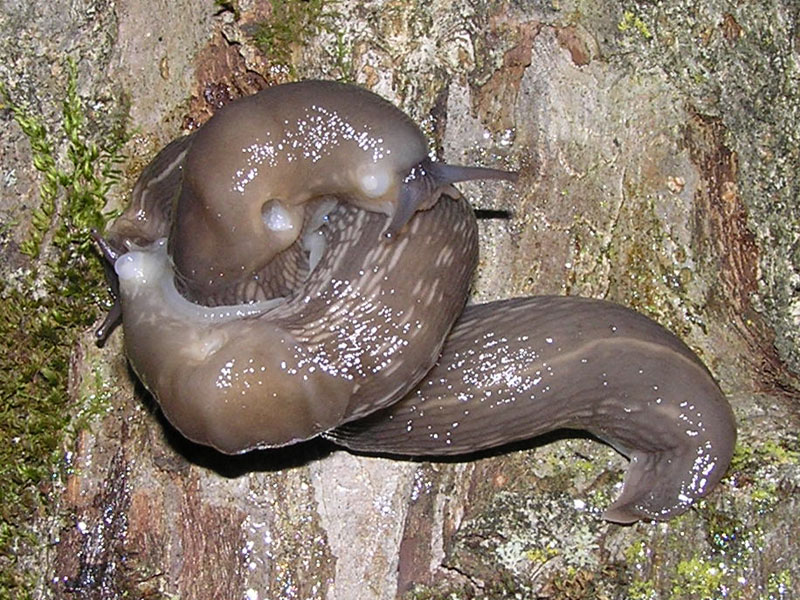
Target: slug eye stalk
x,y
425,183
114,315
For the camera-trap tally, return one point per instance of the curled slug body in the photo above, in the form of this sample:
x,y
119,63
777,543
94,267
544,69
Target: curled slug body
x,y
247,173
278,309
515,369
347,342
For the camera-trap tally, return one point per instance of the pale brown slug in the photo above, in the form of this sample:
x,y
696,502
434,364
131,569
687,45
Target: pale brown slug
x,y
514,369
352,338
278,308
271,152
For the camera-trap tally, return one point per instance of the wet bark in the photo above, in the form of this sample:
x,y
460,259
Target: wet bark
x,y
654,173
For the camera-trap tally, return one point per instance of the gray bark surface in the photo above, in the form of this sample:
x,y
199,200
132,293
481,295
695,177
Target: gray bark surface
x,y
658,148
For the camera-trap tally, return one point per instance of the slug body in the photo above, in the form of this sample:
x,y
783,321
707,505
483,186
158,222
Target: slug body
x,y
272,152
279,309
345,343
515,369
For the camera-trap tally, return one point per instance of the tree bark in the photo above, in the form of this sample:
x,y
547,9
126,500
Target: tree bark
x,y
657,147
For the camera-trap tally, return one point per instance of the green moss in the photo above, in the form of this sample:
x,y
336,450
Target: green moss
x,y
720,567
632,22
779,586
696,578
642,590
541,555
748,456
228,5
692,578
756,467
84,183
43,311
293,23
780,454
636,552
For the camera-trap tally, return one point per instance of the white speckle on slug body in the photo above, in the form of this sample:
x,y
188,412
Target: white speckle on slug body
x,y
315,135
374,183
276,217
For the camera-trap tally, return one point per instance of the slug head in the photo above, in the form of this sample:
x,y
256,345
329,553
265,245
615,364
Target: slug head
x,y
423,185
253,166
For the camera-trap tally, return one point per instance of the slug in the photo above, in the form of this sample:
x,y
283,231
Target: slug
x,y
299,267
353,338
275,150
514,369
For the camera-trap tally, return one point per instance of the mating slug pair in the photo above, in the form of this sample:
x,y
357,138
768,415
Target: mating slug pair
x,y
298,267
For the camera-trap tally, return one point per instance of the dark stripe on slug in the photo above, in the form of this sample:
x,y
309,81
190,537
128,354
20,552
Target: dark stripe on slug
x,y
149,214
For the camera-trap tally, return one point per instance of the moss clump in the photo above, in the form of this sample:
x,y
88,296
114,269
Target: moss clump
x,y
228,5
693,578
758,466
632,22
43,311
642,590
82,186
293,23
779,585
696,578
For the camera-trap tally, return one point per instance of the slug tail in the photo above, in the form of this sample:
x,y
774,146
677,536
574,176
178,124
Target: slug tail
x,y
655,487
535,365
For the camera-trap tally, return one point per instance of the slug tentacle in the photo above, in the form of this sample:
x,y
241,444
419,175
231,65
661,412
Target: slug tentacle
x,y
114,316
425,183
514,369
